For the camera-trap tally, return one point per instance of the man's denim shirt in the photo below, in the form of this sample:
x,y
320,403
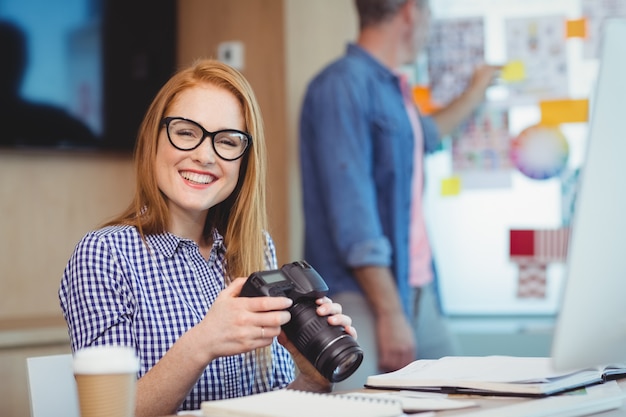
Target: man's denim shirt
x,y
356,154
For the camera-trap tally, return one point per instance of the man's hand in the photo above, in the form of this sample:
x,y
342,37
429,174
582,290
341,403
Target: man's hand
x,y
396,342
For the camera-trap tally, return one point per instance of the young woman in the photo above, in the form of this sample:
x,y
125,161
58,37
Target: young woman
x,y
165,275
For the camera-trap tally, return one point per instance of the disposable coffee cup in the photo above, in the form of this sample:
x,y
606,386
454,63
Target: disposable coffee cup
x,y
106,379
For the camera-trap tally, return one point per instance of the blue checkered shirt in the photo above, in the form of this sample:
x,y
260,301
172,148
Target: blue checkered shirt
x,y
118,291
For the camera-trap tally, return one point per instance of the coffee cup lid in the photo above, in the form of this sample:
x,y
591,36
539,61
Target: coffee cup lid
x,y
105,359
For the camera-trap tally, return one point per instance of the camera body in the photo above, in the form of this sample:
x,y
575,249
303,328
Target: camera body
x,y
333,352
295,280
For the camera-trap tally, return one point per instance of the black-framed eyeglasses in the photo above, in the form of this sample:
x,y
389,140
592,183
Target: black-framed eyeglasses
x,y
186,135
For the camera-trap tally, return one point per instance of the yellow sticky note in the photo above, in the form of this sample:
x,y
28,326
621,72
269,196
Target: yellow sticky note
x,y
576,28
451,186
513,71
555,112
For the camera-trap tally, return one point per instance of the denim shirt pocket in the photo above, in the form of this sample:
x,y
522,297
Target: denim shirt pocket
x,y
392,149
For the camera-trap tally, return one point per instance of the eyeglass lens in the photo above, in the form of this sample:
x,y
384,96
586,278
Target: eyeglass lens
x,y
187,135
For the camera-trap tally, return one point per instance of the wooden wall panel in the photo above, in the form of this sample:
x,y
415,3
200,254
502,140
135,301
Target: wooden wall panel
x,y
259,25
48,200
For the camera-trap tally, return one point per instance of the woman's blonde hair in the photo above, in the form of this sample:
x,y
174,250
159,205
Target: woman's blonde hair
x,y
241,218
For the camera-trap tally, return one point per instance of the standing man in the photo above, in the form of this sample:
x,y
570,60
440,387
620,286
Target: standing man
x,y
362,144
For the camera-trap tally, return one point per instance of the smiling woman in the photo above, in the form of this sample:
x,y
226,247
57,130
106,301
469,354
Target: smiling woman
x,y
198,178
164,277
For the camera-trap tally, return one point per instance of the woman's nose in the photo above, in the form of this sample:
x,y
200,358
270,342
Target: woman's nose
x,y
205,154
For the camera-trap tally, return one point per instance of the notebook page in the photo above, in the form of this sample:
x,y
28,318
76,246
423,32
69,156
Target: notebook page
x,y
289,403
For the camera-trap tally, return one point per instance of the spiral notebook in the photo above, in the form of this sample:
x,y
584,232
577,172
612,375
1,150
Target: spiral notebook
x,y
289,403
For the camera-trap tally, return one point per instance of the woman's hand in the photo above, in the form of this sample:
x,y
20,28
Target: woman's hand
x,y
232,325
335,316
309,379
236,324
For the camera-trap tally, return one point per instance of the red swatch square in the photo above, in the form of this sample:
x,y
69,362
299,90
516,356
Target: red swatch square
x,y
522,242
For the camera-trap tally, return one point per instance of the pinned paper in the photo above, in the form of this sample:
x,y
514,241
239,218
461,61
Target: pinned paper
x,y
451,186
423,99
576,28
532,280
450,65
555,112
514,71
537,58
532,251
539,245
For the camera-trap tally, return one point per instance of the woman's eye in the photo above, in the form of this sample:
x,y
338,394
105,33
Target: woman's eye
x,y
226,141
187,133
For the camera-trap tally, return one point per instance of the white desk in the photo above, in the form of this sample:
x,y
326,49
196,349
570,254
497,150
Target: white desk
x,y
486,403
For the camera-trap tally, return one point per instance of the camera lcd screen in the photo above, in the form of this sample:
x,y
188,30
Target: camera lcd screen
x,y
273,278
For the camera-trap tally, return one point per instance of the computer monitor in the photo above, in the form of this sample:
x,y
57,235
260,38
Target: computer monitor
x,y
80,74
591,325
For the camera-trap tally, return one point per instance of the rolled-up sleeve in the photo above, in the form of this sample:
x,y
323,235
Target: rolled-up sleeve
x,y
432,140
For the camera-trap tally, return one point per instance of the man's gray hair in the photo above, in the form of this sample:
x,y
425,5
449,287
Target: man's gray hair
x,y
373,12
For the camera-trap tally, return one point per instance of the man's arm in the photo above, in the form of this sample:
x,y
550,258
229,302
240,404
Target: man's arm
x,y
395,338
451,116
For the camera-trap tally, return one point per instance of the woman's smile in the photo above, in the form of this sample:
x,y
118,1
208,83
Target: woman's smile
x,y
197,178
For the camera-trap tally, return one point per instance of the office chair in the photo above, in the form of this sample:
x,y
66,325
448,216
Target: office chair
x,y
51,386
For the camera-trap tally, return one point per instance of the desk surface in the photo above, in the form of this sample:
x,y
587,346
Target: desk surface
x,y
491,402
497,402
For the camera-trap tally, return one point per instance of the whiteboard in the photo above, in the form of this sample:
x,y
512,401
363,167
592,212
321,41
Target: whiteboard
x,y
470,231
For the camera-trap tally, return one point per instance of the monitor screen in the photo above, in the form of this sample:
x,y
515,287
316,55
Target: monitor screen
x,y
591,325
81,73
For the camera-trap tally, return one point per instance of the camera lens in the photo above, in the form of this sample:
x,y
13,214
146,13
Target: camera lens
x,y
340,358
333,352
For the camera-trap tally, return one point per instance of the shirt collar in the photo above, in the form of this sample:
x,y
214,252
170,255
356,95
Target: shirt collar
x,y
167,243
356,50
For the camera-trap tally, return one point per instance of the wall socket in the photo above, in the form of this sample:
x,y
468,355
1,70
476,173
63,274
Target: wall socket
x,y
231,53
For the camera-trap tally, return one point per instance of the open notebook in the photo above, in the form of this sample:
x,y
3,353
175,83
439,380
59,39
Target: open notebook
x,y
290,403
492,375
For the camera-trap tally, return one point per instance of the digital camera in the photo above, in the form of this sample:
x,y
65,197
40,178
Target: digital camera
x,y
333,352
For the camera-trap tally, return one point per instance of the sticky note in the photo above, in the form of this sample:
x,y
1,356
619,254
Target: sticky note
x,y
422,98
576,28
513,71
555,112
451,186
